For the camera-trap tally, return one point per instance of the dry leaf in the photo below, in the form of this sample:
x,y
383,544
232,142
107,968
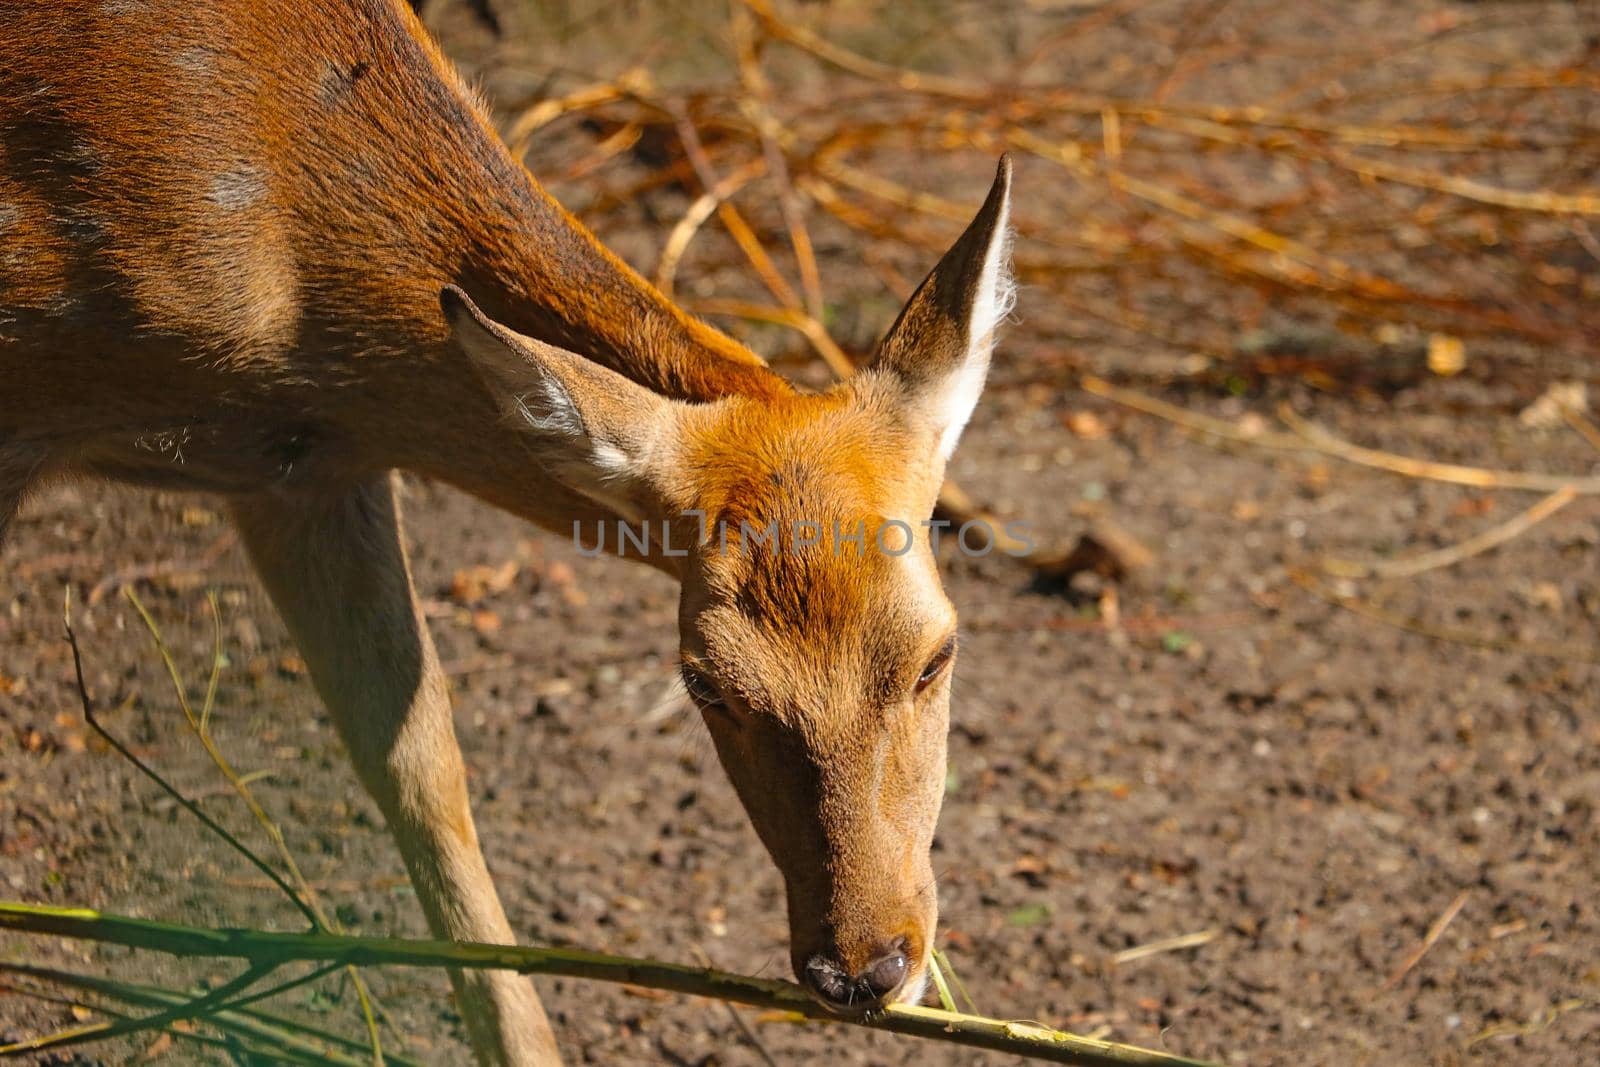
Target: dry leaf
x,y
1252,424
1026,865
473,584
1446,354
1086,425
1473,506
1545,413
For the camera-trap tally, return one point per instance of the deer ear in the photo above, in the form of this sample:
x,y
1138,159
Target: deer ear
x,y
939,347
596,429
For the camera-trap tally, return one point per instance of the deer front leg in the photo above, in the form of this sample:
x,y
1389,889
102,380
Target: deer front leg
x,y
336,568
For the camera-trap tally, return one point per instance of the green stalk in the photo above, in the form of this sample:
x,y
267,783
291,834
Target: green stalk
x,y
265,949
283,1039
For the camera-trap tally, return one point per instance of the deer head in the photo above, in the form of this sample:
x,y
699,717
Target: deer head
x,y
815,637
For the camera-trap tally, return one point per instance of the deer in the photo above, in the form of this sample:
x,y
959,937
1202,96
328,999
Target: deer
x,y
276,252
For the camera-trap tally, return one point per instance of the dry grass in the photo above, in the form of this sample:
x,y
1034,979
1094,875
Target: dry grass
x,y
1203,178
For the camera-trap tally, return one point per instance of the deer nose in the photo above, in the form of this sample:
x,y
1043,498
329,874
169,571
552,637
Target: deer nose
x,y
871,988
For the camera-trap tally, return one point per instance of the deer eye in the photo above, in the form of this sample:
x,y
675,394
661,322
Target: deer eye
x,y
937,664
700,687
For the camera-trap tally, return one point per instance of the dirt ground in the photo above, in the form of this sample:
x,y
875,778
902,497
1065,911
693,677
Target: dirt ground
x,y
1310,787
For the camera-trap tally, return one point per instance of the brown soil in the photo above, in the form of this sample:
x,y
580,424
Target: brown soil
x,y
1315,786
1240,756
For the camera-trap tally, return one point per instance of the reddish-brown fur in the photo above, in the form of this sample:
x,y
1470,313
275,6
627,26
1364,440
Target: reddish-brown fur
x,y
225,228
276,197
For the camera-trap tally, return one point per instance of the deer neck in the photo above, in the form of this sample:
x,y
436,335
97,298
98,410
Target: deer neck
x,y
534,267
545,275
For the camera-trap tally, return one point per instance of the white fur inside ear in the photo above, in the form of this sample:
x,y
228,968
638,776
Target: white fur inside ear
x,y
997,289
548,409
612,461
996,296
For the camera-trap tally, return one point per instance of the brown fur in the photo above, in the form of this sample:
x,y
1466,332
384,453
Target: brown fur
x,y
225,226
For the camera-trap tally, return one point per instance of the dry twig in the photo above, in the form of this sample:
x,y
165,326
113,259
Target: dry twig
x,y
1411,566
1171,944
1429,939
1307,436
1452,635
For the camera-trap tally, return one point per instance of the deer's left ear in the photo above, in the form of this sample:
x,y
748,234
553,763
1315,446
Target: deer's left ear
x,y
939,347
596,430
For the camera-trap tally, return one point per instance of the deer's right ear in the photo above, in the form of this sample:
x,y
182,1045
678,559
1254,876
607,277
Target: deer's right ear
x,y
939,346
596,429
